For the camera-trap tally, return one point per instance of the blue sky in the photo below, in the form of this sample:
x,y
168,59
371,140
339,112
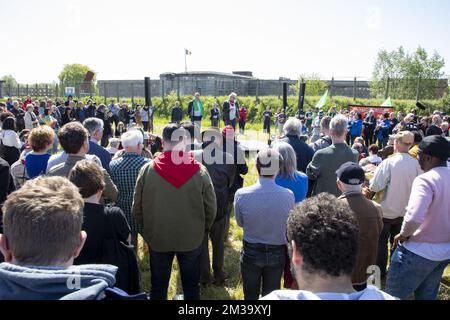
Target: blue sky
x,y
136,38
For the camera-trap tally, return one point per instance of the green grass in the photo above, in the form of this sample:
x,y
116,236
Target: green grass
x,y
232,290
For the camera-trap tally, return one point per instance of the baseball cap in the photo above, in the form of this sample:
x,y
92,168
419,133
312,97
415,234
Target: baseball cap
x,y
405,137
435,146
351,173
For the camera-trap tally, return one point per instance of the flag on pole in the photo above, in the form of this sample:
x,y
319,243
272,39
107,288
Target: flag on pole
x,y
387,103
187,52
323,101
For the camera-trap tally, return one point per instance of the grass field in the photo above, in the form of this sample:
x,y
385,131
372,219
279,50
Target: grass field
x,y
232,290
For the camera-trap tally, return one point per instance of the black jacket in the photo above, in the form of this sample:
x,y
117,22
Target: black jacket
x,y
241,166
94,225
303,152
191,110
226,110
177,114
370,123
6,187
222,176
214,114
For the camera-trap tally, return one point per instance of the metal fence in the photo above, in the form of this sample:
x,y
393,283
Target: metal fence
x,y
210,86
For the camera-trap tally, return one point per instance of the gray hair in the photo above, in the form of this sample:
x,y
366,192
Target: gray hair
x,y
132,138
93,124
288,166
292,127
114,142
338,126
351,188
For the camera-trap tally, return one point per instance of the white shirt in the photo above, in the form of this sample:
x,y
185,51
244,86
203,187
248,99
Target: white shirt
x,y
29,121
430,251
10,138
197,113
395,176
232,110
374,159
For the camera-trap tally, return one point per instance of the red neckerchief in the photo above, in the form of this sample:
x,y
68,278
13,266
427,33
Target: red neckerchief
x,y
174,173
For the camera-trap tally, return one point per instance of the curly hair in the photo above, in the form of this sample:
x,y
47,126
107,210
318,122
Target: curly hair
x,y
40,138
326,235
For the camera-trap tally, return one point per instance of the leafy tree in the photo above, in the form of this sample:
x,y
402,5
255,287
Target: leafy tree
x,y
405,71
10,82
73,73
314,86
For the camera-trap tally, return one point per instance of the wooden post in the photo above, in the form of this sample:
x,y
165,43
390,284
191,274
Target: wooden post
x,y
386,94
178,88
332,87
215,89
354,89
257,89
418,90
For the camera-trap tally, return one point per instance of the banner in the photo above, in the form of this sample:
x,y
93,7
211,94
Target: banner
x,y
387,103
323,101
365,109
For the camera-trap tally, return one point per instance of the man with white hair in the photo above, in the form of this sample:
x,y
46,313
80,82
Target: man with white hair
x,y
124,173
95,128
231,110
435,128
303,152
325,162
369,216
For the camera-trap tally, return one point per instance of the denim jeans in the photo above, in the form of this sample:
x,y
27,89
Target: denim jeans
x,y
161,268
410,273
261,264
391,228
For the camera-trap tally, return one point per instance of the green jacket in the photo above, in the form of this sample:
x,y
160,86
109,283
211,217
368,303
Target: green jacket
x,y
174,220
324,165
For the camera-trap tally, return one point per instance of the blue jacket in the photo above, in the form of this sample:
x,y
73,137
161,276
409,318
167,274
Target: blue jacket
x,y
356,128
101,153
85,282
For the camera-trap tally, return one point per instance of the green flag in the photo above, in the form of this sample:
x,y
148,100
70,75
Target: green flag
x,y
323,101
387,103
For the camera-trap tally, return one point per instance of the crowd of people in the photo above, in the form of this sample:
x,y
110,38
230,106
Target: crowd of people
x,y
337,195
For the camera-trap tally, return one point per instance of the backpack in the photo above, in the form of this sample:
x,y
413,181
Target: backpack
x,y
120,254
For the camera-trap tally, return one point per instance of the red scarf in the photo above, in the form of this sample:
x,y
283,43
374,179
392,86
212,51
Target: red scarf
x,y
178,173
